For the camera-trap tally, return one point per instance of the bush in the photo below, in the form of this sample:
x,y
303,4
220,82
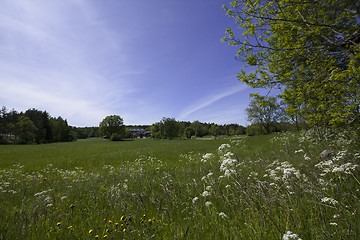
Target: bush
x,y
116,137
254,130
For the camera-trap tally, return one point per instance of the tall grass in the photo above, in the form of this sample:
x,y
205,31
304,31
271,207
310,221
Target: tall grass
x,y
266,187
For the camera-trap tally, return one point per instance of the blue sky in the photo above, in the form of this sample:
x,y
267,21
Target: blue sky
x,y
142,60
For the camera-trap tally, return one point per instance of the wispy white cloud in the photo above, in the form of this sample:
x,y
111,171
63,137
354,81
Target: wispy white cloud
x,y
50,58
210,99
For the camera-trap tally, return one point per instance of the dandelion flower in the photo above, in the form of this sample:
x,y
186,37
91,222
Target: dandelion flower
x,y
90,231
70,227
58,224
71,206
96,236
124,230
105,236
110,221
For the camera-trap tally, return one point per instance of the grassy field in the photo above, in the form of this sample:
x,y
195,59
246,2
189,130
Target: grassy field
x,y
266,187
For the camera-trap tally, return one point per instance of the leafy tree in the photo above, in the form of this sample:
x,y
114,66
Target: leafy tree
x,y
264,111
26,129
189,132
41,122
112,124
156,130
311,49
170,127
200,129
214,130
60,130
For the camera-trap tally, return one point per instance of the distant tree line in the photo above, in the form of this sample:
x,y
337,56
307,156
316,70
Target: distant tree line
x,y
33,126
85,132
266,114
169,128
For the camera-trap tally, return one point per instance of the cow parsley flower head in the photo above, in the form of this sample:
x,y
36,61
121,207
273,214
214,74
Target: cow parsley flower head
x,y
206,157
289,235
329,200
205,194
208,203
223,148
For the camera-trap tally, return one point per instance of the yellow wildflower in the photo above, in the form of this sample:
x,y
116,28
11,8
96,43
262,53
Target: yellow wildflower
x,y
90,231
58,224
105,236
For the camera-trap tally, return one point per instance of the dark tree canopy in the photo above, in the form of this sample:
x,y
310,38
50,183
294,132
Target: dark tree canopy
x,y
33,126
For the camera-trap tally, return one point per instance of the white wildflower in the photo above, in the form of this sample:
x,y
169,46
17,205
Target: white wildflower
x,y
208,188
229,172
205,194
289,235
223,148
229,155
329,200
206,157
333,224
194,199
223,215
208,203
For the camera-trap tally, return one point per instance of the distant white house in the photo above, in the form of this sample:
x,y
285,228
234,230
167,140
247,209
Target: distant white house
x,y
140,133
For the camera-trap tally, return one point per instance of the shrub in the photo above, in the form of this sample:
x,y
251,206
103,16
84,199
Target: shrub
x,y
116,137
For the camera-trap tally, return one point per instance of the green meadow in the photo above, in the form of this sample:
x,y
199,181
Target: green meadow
x,y
276,186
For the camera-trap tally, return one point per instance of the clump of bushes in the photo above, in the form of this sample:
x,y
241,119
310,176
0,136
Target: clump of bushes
x,y
116,137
